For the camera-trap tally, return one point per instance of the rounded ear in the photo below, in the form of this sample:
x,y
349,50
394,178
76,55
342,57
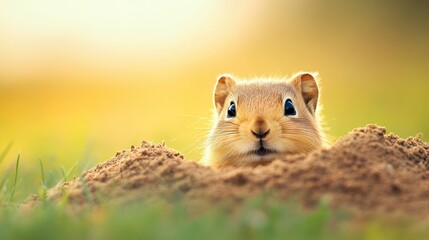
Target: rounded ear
x,y
224,85
306,83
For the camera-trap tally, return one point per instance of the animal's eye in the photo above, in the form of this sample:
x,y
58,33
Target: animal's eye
x,y
289,108
231,110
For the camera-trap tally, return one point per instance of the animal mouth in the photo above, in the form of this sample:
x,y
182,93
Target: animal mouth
x,y
263,151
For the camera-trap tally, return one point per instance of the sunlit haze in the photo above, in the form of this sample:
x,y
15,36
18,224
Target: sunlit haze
x,y
80,80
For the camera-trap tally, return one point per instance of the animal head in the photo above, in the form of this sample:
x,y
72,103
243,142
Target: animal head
x,y
261,119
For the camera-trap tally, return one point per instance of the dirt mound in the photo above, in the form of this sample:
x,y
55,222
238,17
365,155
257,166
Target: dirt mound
x,y
365,171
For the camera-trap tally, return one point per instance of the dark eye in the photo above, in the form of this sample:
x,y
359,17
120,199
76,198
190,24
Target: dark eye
x,y
289,108
231,110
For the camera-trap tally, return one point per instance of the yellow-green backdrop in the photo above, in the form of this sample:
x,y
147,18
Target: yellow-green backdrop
x,y
80,80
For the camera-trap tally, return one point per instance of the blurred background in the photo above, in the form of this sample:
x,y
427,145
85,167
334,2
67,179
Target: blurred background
x,y
80,80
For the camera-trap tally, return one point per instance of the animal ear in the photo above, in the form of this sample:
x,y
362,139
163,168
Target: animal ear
x,y
223,87
306,83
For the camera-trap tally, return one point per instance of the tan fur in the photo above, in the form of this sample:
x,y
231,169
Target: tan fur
x,y
260,107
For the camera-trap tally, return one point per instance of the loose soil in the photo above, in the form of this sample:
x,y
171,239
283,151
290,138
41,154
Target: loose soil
x,y
365,172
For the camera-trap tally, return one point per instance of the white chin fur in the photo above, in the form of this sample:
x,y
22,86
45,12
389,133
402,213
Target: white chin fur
x,y
253,158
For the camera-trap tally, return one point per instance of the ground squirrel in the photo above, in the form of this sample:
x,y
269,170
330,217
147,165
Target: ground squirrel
x,y
259,120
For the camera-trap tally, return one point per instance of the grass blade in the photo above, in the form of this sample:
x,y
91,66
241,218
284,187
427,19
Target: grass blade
x,y
70,171
16,178
43,173
5,151
2,184
63,173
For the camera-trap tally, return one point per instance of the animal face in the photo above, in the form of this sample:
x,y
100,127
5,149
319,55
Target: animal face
x,y
262,119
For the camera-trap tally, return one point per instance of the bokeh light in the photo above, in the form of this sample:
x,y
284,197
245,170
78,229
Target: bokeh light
x,y
80,80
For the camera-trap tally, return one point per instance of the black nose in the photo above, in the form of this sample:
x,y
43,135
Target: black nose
x,y
260,135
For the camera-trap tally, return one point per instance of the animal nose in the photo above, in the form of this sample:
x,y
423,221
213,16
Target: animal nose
x,y
260,134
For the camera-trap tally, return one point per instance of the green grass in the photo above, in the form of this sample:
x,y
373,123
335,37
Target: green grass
x,y
162,220
256,218
15,179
